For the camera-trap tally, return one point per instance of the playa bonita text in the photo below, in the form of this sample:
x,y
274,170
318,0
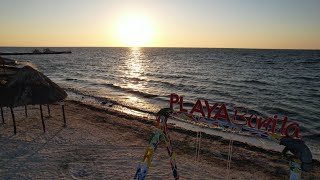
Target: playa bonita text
x,y
240,117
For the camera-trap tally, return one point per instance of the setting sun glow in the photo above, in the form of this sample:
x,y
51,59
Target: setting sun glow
x,y
135,31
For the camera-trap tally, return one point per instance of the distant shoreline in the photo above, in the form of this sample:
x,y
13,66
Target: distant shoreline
x,y
285,49
41,53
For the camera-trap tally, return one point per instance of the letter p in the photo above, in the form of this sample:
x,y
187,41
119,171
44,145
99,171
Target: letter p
x,y
174,98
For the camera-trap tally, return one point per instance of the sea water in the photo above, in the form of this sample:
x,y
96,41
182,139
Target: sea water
x,y
139,80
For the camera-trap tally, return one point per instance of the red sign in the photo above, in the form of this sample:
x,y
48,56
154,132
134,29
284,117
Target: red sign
x,y
238,116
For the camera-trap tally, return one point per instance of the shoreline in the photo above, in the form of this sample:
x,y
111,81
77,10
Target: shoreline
x,y
211,133
94,134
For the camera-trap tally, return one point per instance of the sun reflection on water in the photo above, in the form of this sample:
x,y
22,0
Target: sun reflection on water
x,y
135,75
135,69
133,98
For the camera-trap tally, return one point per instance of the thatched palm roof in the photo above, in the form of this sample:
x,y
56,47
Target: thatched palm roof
x,y
29,87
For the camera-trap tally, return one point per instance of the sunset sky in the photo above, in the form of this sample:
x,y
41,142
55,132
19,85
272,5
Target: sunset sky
x,y
285,24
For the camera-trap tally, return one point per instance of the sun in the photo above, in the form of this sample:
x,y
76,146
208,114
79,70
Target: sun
x,y
135,31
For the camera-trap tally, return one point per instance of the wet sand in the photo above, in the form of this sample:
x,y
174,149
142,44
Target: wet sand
x,y
106,144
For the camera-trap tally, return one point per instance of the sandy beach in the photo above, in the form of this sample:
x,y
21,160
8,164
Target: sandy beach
x,y
105,144
235,86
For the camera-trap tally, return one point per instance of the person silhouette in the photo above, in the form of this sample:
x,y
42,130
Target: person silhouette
x,y
300,151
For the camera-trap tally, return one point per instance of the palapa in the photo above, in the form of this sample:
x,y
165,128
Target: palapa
x,y
30,87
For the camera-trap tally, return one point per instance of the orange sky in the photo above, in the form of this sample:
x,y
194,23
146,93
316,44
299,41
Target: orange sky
x,y
287,24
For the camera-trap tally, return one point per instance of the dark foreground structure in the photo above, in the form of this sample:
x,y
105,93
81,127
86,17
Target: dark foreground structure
x,y
27,86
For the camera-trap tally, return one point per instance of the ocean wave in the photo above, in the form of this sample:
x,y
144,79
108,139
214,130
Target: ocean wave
x,y
281,111
313,61
80,81
130,90
133,79
109,85
71,79
169,76
104,100
306,78
255,82
84,93
313,95
168,84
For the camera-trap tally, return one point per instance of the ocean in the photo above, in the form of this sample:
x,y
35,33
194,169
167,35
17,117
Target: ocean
x,y
139,80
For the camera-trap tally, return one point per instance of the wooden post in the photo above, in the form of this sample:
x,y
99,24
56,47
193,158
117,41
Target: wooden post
x,y
43,125
2,115
48,110
26,110
14,121
64,116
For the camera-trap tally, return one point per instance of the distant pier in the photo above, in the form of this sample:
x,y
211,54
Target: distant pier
x,y
39,53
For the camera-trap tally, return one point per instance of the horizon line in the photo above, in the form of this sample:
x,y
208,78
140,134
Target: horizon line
x,y
158,47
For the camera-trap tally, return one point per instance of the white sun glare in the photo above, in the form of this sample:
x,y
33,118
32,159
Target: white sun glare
x,y
135,31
